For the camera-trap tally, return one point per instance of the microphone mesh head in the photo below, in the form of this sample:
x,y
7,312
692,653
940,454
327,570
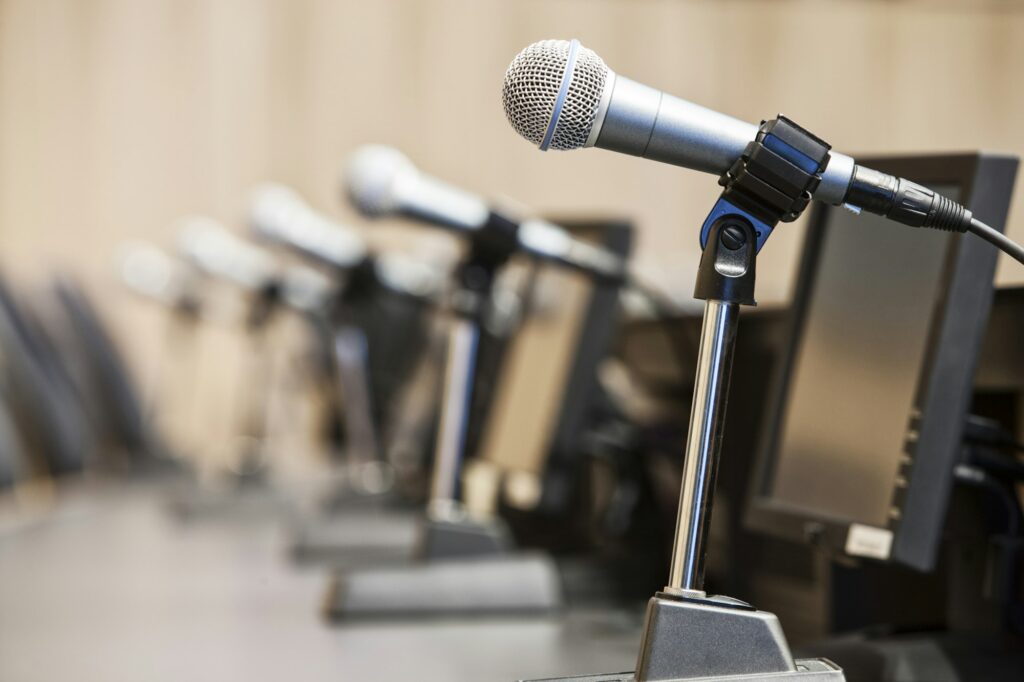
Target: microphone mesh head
x,y
371,177
532,84
271,209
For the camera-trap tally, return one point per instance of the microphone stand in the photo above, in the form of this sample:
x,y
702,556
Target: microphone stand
x,y
449,531
248,488
362,520
683,611
689,634
367,473
465,565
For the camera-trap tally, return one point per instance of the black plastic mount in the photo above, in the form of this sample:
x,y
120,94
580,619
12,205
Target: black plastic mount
x,y
772,181
490,248
727,265
778,171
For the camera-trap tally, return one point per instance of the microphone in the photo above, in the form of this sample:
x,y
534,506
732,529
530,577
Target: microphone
x,y
210,247
381,181
216,251
560,95
153,273
280,216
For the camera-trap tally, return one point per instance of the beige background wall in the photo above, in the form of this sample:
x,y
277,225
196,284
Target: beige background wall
x,y
116,116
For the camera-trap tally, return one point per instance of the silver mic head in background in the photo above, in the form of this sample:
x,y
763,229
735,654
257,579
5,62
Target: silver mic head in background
x,y
150,271
280,215
373,178
555,92
381,182
213,249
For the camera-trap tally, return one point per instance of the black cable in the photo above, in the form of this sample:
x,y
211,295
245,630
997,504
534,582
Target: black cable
x,y
1007,444
1000,240
912,204
976,477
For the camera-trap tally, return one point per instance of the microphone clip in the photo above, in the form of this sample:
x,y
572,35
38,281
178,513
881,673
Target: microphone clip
x,y
772,180
490,248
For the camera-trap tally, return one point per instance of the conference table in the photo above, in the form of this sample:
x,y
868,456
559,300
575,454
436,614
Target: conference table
x,y
108,586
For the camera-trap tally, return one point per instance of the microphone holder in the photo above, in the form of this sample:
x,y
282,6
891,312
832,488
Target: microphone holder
x,y
359,522
689,634
249,490
449,531
349,354
466,564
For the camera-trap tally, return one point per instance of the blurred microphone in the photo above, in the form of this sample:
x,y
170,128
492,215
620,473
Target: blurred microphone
x,y
217,251
213,249
281,216
151,272
560,95
381,181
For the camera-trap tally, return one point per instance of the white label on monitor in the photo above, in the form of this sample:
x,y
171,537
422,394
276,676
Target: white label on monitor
x,y
868,541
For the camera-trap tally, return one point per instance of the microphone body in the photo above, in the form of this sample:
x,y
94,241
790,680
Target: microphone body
x,y
280,216
216,251
639,120
153,273
561,95
381,181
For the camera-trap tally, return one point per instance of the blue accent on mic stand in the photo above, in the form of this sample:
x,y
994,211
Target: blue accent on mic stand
x,y
722,207
794,156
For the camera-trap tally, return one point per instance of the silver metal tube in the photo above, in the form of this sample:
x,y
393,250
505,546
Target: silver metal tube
x,y
451,434
350,354
642,121
703,444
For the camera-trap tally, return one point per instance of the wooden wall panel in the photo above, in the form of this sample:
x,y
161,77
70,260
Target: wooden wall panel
x,y
116,116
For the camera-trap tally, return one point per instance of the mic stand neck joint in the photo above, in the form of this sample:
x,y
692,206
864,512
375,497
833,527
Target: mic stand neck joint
x,y
490,248
772,180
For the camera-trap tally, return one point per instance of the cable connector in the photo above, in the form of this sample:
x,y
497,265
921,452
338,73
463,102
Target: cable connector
x,y
905,202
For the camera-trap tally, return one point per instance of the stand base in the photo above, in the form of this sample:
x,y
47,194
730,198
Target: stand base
x,y
716,639
460,538
692,638
357,537
807,670
247,498
374,536
514,584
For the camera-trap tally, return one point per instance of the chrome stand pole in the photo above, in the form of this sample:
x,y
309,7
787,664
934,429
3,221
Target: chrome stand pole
x,y
460,365
703,445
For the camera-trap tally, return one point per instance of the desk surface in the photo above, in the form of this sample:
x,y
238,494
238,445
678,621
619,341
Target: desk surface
x,y
111,587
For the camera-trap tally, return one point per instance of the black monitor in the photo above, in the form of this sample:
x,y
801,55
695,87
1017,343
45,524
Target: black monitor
x,y
864,424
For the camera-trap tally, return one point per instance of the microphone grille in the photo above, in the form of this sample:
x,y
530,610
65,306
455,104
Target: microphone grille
x,y
371,178
533,88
